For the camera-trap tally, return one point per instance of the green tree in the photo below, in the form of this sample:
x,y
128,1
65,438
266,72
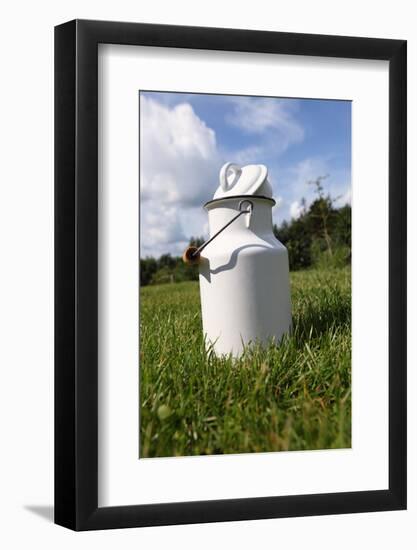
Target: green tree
x,y
167,268
148,266
321,235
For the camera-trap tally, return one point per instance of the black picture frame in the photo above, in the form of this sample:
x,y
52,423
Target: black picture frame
x,y
76,272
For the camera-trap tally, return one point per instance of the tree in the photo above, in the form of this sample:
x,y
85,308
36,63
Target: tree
x,y
321,235
148,266
166,260
296,237
322,209
167,268
196,241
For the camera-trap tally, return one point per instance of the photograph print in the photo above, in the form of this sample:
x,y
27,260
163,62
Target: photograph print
x,y
245,274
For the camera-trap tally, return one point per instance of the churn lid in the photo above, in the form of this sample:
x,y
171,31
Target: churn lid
x,y
243,180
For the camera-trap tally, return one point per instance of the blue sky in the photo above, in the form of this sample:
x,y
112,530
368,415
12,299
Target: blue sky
x,y
186,138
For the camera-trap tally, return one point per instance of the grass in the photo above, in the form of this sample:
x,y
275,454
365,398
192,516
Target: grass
x,y
292,397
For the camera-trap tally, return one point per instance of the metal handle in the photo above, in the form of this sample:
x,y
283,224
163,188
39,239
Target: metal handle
x,y
192,254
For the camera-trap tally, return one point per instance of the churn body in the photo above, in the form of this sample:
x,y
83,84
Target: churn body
x,y
244,277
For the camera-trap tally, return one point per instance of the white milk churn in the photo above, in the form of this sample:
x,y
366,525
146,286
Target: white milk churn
x,y
244,274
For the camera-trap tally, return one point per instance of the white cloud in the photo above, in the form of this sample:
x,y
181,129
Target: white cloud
x,y
344,199
179,163
160,229
296,209
273,121
309,169
179,157
294,185
249,155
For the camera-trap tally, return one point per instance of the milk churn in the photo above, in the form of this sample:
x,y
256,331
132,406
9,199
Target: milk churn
x,y
243,268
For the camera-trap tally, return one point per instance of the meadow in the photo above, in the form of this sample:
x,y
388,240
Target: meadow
x,y
292,397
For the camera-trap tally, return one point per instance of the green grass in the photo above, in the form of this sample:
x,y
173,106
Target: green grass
x,y
292,397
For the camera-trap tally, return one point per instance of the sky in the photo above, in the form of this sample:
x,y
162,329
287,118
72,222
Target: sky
x,y
186,138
